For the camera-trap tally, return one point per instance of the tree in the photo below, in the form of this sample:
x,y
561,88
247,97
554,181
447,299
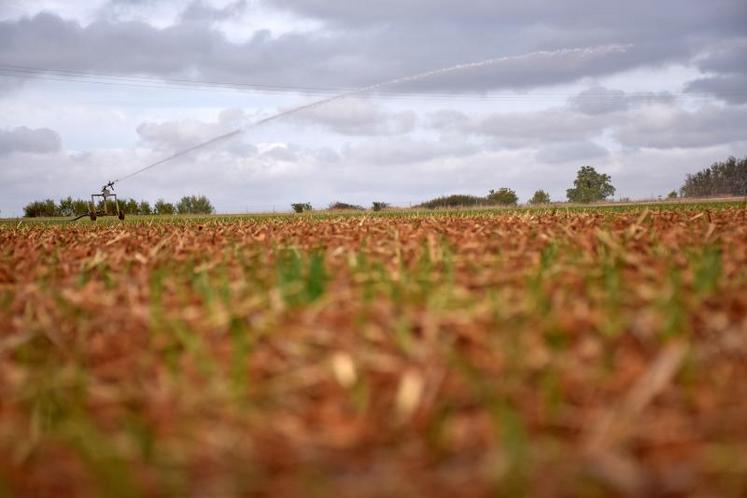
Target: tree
x,y
455,200
590,186
144,208
300,207
192,204
540,197
130,206
722,178
379,206
66,206
344,206
672,195
163,207
81,206
36,209
504,196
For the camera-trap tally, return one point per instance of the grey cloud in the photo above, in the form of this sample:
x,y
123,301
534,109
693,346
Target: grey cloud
x,y
558,132
440,32
727,68
524,129
600,100
201,11
731,88
677,128
572,13
575,151
22,139
397,38
728,57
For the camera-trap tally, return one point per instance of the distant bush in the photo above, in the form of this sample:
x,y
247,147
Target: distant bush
x,y
130,206
672,195
379,206
38,209
721,178
342,206
504,197
192,204
456,200
110,206
540,197
163,207
300,207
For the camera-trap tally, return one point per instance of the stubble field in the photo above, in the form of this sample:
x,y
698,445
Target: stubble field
x,y
545,352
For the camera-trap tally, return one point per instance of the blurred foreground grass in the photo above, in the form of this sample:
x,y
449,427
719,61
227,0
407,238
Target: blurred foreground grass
x,y
543,352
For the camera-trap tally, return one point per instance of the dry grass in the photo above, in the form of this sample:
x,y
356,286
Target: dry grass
x,y
541,353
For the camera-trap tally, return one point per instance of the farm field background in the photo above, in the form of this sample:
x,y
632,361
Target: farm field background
x,y
537,352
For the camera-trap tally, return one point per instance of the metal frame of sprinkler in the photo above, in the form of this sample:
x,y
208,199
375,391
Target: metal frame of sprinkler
x,y
107,193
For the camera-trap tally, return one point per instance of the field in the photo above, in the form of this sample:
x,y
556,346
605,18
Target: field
x,y
541,352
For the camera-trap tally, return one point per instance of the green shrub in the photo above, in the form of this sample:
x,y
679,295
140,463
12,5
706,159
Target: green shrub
x,y
163,207
342,206
192,204
590,186
540,197
300,207
37,209
456,200
504,197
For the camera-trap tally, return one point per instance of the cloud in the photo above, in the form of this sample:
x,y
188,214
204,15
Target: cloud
x,y
200,11
361,43
402,151
653,120
731,88
522,129
173,136
26,140
601,100
357,116
670,127
726,66
573,151
727,57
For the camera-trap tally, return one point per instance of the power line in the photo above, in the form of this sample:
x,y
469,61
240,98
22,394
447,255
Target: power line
x,y
110,79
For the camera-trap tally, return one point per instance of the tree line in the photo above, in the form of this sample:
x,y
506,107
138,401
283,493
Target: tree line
x,y
190,204
724,178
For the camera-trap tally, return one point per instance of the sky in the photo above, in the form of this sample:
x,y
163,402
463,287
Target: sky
x,y
93,90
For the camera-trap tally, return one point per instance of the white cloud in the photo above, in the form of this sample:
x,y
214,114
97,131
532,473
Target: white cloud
x,y
358,116
667,127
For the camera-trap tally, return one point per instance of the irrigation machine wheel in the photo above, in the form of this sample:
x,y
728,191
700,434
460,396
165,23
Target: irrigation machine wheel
x,y
92,216
121,216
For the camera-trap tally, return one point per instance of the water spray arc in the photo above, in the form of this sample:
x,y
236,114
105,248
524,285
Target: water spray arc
x,y
579,52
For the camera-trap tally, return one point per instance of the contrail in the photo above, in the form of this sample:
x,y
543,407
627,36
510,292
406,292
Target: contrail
x,y
583,52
